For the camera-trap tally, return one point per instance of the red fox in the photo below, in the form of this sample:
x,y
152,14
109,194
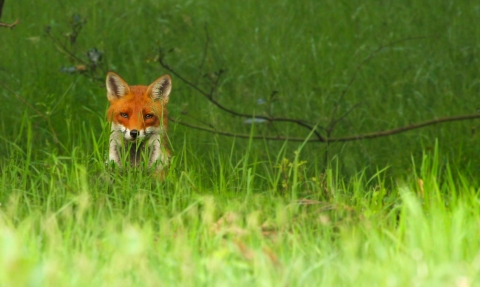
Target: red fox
x,y
138,117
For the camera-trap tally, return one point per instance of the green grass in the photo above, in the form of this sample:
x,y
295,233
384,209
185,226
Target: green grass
x,y
78,225
395,211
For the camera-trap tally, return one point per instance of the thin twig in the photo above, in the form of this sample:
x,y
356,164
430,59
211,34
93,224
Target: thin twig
x,y
337,120
371,135
333,122
404,128
62,48
11,26
229,134
209,96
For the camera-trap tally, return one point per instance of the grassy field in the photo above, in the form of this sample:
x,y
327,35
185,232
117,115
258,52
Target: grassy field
x,y
401,210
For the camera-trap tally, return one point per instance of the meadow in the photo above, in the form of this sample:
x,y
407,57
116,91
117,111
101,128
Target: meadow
x,y
399,210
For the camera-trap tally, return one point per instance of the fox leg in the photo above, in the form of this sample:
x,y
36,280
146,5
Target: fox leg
x,y
115,142
159,156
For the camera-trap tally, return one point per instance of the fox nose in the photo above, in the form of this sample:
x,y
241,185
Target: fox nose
x,y
134,134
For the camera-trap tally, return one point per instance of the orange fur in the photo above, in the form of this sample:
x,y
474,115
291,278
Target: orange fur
x,y
137,104
139,120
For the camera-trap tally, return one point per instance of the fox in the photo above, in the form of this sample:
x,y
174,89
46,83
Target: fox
x,y
138,119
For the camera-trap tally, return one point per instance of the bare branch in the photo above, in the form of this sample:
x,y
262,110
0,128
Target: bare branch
x,y
405,128
229,134
62,48
337,120
86,67
209,96
327,139
311,127
371,135
11,26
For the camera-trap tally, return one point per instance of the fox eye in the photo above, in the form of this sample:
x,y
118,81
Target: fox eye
x,y
124,115
148,116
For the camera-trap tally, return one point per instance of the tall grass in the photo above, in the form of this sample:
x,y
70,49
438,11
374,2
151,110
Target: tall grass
x,y
396,211
78,223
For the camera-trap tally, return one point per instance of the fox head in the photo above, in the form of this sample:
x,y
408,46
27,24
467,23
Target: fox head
x,y
138,111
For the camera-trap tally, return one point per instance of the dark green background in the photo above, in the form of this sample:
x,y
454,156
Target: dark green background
x,y
306,50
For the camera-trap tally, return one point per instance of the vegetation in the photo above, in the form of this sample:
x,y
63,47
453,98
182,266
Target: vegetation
x,y
401,210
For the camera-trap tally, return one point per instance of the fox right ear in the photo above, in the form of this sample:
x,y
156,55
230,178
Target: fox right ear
x,y
116,87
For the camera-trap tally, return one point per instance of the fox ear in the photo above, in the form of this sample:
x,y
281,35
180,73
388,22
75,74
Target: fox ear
x,y
116,87
160,89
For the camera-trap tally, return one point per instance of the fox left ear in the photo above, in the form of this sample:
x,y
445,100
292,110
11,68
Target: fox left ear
x,y
160,89
116,86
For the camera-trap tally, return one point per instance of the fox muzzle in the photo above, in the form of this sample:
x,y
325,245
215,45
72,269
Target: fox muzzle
x,y
134,134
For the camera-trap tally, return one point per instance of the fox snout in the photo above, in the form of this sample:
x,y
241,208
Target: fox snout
x,y
134,135
138,134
